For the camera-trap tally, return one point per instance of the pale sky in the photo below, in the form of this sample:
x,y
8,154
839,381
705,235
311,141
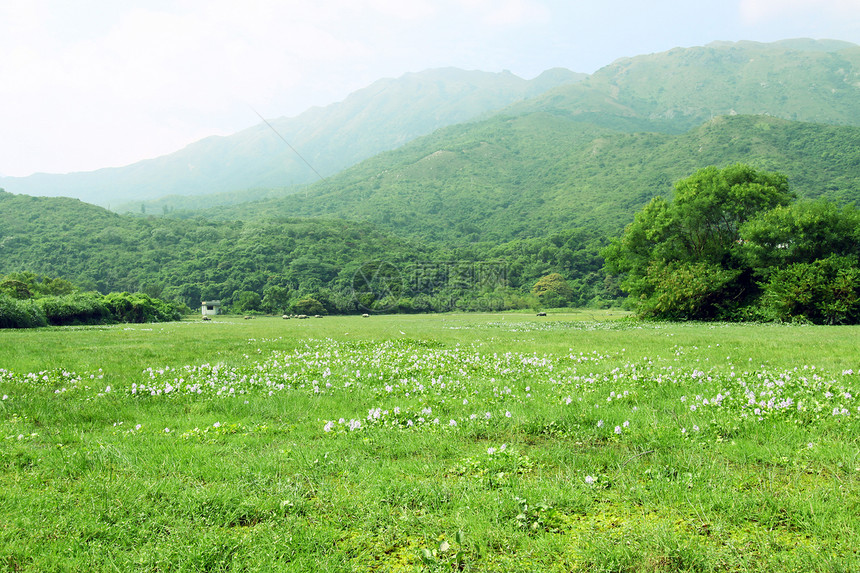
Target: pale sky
x,y
102,83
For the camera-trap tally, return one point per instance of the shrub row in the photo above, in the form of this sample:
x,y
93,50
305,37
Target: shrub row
x,y
84,308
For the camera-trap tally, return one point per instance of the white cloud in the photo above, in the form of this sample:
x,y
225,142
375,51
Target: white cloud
x,y
759,11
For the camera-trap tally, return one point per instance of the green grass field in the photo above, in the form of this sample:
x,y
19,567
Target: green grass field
x,y
508,442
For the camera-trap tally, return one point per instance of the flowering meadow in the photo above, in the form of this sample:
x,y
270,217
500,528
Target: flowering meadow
x,y
431,443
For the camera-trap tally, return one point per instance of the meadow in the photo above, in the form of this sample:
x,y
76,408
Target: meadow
x,y
472,442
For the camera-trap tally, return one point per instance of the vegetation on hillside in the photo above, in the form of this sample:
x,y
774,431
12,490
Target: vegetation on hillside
x,y
799,80
671,93
522,177
282,261
531,195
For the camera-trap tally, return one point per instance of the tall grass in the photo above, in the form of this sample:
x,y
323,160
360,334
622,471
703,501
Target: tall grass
x,y
449,442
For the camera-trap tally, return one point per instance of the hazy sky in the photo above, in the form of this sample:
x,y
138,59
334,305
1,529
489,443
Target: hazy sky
x,y
98,83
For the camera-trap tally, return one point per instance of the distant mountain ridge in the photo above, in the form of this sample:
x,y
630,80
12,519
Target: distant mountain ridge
x,y
383,116
673,91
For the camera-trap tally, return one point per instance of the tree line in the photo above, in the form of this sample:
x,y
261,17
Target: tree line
x,y
29,300
272,265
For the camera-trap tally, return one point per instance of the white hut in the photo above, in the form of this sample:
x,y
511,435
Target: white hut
x,y
210,307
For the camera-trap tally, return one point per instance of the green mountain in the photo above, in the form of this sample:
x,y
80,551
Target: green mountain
x,y
527,176
592,152
383,116
670,92
803,80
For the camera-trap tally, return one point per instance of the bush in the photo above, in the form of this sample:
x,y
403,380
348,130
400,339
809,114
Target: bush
x,y
78,308
139,307
688,291
308,305
16,313
826,291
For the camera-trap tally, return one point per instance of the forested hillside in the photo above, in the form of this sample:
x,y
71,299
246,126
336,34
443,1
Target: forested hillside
x,y
185,260
192,260
527,176
803,80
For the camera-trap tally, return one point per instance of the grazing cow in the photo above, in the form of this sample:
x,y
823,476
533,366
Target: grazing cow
x,y
541,314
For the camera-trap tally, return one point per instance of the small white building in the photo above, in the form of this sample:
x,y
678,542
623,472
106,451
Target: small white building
x,y
210,307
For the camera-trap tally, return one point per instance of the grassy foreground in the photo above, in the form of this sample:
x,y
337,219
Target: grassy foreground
x,y
430,443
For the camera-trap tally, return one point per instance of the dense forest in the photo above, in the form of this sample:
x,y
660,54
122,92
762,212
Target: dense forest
x,y
196,259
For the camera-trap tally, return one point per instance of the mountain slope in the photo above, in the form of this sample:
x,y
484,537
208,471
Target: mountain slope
x,y
804,80
527,176
383,116
667,93
670,92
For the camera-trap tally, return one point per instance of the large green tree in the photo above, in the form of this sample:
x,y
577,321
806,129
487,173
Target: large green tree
x,y
553,290
680,259
276,299
245,301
